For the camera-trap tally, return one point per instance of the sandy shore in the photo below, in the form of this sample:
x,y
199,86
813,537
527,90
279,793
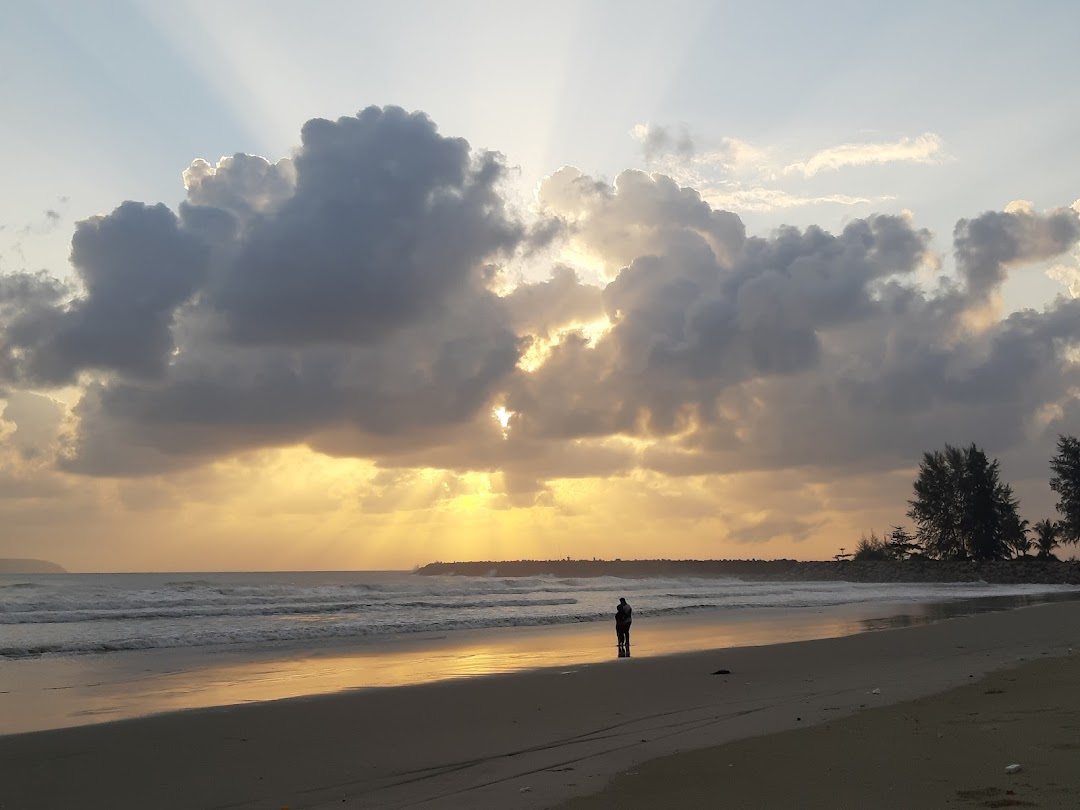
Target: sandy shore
x,y
949,750
534,740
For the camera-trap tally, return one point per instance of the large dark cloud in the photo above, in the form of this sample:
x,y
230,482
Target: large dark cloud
x,y
343,287
341,298
387,219
705,309
806,348
136,267
416,385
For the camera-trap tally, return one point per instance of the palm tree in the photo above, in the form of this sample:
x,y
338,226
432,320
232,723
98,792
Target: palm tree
x,y
1017,537
1047,537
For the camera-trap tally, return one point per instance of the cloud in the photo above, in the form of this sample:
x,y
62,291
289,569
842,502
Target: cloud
x,y
769,528
346,286
28,302
30,429
541,308
243,185
989,244
221,398
657,140
36,419
388,219
772,199
702,308
345,299
926,148
744,176
1069,275
805,348
136,267
639,214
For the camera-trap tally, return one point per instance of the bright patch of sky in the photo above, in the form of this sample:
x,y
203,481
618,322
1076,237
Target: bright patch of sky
x,y
956,108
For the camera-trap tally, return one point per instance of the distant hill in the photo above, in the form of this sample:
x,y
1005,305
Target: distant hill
x,y
14,566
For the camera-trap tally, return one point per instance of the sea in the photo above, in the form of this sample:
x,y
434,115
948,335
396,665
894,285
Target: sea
x,y
83,648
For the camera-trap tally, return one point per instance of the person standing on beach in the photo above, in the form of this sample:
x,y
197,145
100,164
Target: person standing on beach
x,y
624,616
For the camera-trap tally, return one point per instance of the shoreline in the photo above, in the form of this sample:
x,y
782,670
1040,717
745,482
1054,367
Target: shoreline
x,y
480,742
68,691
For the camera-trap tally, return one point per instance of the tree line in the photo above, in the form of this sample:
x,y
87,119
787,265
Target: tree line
x,y
962,510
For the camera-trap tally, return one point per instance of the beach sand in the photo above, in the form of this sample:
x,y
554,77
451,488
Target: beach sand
x,y
534,740
947,751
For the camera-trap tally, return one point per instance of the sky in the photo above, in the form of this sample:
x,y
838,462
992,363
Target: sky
x,y
368,285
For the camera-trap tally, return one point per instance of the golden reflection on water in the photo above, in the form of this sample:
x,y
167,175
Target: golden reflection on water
x,y
38,694
67,691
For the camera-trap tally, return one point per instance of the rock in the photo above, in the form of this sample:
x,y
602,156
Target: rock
x,y
722,672
1014,768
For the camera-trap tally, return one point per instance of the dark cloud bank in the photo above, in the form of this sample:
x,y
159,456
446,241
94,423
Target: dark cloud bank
x,y
344,298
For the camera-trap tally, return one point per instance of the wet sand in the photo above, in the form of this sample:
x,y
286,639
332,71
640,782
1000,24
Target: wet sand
x,y
954,750
63,691
536,739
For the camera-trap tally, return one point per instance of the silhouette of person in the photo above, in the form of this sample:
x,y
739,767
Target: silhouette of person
x,y
624,616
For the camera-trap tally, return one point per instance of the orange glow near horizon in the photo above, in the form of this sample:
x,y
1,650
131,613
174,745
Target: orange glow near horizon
x,y
295,509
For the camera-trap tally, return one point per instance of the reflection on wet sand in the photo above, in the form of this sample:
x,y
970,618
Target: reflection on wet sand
x,y
938,611
38,694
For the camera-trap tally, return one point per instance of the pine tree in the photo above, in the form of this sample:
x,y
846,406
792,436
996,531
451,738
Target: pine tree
x,y
900,544
961,507
1066,483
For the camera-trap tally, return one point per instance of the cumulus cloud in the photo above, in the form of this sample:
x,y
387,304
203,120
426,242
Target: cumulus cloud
x,y
639,214
702,308
345,299
387,220
243,185
345,286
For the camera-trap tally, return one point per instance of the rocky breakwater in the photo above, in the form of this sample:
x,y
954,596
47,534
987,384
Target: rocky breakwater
x,y
1026,570
1000,572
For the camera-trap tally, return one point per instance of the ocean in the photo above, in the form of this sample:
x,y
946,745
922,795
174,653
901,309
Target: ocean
x,y
106,613
78,648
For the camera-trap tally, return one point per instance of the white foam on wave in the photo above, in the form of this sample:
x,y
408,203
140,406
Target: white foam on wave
x,y
107,613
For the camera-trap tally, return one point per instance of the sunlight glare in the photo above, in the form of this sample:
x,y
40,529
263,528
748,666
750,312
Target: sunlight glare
x,y
503,417
540,349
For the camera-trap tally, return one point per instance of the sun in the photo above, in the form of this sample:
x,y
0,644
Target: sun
x,y
503,416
